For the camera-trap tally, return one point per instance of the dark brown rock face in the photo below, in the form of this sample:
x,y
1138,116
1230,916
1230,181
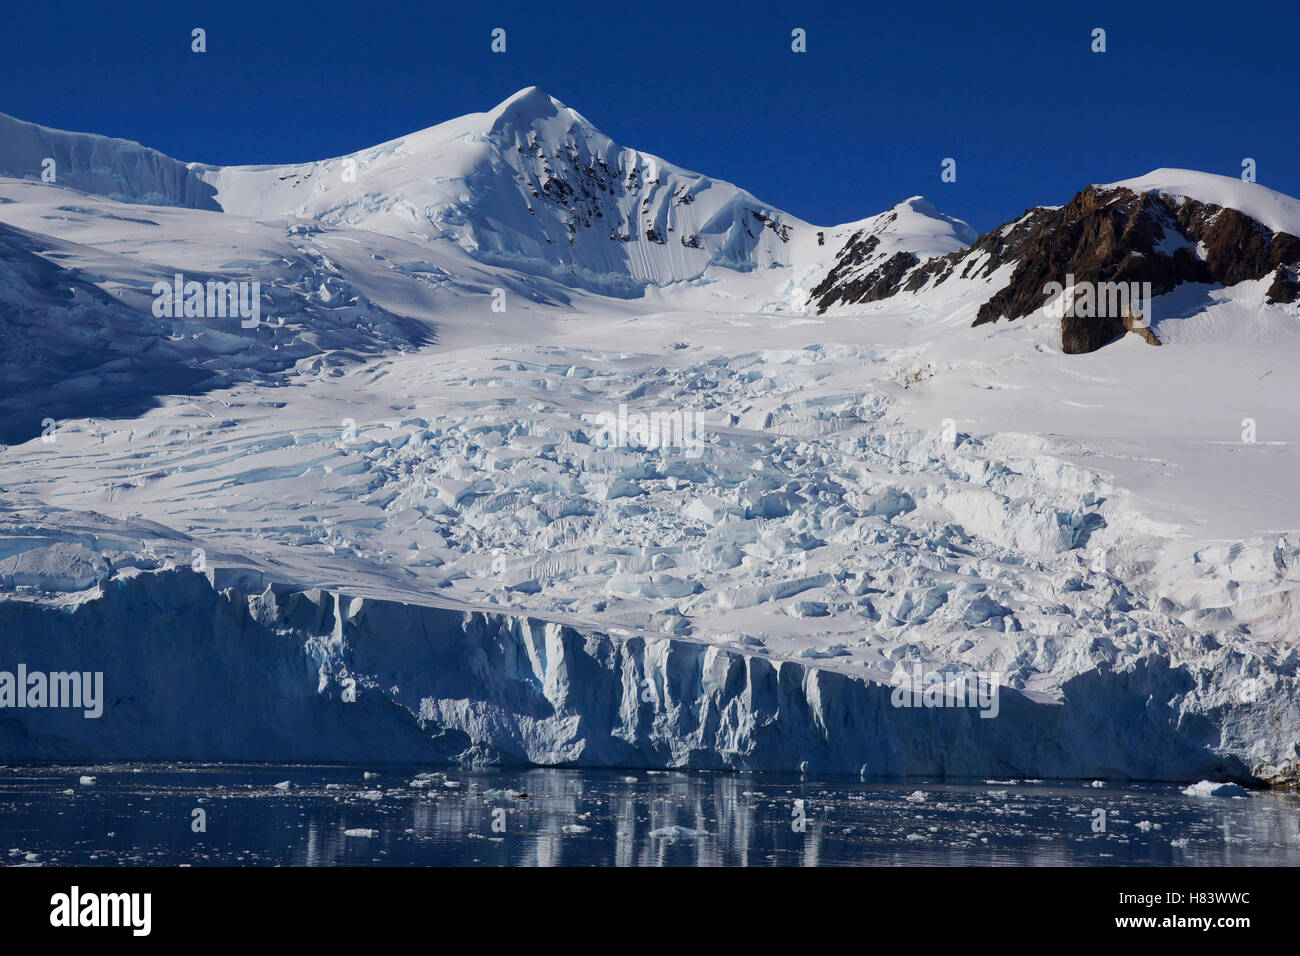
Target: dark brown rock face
x,y
860,274
1285,287
1103,236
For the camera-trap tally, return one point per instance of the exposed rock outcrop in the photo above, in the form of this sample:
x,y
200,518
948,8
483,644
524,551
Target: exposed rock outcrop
x,y
1104,235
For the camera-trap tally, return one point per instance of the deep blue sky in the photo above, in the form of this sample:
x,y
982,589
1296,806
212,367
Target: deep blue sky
x,y
859,122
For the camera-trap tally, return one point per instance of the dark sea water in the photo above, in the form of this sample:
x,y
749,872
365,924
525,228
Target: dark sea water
x,y
144,814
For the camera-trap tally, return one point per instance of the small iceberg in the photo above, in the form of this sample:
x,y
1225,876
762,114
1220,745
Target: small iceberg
x,y
1208,788
677,833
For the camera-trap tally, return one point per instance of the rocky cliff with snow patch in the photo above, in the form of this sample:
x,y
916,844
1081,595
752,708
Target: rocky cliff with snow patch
x,y
1151,230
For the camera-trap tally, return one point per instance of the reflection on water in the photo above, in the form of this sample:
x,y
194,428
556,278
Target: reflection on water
x,y
404,816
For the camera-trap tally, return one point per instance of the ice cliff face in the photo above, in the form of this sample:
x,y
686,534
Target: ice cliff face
x,y
100,165
196,673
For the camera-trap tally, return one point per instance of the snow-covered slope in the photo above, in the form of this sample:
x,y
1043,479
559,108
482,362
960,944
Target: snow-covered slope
x,y
77,310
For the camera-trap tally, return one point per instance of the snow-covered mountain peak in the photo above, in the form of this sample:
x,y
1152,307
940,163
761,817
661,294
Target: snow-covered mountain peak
x,y
530,185
922,229
870,255
528,109
1277,211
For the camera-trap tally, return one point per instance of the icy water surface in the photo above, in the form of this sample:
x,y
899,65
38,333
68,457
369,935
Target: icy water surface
x,y
131,814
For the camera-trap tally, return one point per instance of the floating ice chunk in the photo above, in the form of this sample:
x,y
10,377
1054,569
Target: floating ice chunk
x,y
360,832
87,781
501,795
369,776
677,833
1208,788
916,796
576,828
283,785
372,795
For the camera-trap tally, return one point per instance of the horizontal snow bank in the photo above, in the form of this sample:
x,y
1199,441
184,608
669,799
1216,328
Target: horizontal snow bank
x,y
192,673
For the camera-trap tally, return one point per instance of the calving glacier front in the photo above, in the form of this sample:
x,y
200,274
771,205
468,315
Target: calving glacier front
x,y
555,412
204,674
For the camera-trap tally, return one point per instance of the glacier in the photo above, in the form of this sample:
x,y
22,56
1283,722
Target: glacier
x,y
201,674
393,491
